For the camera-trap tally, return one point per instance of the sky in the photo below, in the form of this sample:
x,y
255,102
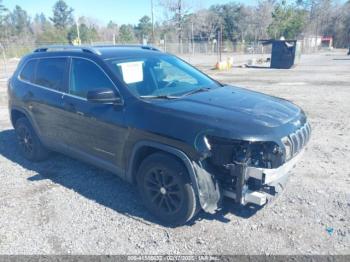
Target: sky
x,y
119,11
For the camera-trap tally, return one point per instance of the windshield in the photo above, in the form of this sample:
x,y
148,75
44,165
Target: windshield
x,y
161,76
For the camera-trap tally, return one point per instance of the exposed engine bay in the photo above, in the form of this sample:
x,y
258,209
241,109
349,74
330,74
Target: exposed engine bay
x,y
248,170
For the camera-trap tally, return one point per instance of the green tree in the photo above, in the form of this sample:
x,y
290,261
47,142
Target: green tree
x,y
20,21
3,11
144,28
62,15
288,21
126,34
40,19
87,34
111,32
52,35
231,14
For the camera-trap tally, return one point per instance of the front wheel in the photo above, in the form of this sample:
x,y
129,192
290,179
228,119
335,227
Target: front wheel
x,y
166,189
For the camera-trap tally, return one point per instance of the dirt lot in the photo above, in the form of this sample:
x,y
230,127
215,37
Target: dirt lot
x,y
65,206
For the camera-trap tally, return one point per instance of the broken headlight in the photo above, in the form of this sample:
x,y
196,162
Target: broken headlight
x,y
258,154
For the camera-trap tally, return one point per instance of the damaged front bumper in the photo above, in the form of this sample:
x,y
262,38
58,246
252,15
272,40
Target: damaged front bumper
x,y
272,181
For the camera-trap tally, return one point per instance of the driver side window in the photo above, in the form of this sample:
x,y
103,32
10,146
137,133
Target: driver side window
x,y
86,76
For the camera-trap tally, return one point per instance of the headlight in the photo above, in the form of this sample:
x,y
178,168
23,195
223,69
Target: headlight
x,y
287,147
202,145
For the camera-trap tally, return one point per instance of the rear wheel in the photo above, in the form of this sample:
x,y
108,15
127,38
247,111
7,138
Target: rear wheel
x,y
166,189
29,144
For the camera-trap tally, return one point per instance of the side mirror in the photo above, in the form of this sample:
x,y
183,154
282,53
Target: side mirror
x,y
104,96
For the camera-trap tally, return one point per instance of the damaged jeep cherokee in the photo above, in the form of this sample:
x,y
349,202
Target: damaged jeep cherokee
x,y
186,140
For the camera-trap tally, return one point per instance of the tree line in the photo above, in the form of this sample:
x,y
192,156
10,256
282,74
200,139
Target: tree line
x,y
235,22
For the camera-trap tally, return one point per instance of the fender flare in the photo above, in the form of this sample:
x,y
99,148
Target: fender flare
x,y
25,113
30,119
205,187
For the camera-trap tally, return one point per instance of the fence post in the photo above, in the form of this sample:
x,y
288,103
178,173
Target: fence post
x,y
4,58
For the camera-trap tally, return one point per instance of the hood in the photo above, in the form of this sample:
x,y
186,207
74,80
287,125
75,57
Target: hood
x,y
235,110
234,102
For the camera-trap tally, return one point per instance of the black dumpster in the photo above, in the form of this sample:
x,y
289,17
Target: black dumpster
x,y
283,53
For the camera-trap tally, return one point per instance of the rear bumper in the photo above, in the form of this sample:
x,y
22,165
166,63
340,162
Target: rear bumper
x,y
272,180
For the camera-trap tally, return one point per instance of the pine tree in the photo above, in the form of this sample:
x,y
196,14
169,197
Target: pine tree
x,y
62,15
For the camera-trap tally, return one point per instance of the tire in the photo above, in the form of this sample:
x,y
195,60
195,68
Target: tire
x,y
28,142
166,189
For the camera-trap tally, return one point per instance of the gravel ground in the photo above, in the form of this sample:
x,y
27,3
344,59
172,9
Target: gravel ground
x,y
63,206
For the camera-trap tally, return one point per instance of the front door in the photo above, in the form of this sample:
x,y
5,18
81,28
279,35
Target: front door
x,y
93,128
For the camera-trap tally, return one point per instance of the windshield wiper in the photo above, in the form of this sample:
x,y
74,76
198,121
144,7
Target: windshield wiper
x,y
203,89
159,97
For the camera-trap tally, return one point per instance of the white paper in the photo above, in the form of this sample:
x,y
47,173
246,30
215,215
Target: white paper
x,y
132,72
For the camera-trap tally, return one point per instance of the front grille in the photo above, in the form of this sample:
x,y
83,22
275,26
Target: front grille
x,y
298,139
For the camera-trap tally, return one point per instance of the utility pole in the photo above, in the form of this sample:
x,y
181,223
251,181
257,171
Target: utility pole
x,y
220,43
179,21
78,32
192,31
152,15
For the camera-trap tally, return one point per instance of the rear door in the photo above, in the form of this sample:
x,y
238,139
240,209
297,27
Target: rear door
x,y
43,95
95,129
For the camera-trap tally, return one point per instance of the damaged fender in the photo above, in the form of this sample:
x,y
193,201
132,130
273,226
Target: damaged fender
x,y
205,187
208,189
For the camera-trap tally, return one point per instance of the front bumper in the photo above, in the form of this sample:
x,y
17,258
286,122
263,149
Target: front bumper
x,y
272,179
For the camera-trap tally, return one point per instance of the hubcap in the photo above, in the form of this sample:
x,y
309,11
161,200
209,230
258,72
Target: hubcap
x,y
163,190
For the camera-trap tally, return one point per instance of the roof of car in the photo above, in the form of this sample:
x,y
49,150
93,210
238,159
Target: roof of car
x,y
104,52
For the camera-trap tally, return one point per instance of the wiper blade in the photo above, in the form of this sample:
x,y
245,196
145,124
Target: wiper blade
x,y
204,89
159,97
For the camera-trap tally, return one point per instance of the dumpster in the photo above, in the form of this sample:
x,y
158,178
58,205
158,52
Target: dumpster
x,y
284,53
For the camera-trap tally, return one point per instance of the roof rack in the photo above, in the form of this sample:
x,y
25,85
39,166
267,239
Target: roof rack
x,y
148,47
88,49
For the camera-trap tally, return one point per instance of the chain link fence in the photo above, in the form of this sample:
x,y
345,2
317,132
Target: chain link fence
x,y
206,52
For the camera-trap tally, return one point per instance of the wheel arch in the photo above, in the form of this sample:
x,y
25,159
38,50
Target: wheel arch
x,y
143,149
17,113
205,187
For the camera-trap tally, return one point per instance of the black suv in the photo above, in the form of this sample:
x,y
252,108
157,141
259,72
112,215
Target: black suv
x,y
185,139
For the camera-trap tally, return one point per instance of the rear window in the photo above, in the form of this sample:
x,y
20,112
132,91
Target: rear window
x,y
51,73
28,71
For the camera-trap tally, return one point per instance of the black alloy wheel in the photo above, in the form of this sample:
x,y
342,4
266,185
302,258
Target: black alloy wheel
x,y
166,189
